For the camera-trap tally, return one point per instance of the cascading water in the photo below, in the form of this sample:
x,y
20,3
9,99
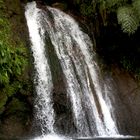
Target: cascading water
x,y
43,78
91,113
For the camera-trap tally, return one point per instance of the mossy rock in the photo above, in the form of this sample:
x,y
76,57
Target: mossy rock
x,y
61,6
13,6
2,110
10,90
3,100
16,106
13,127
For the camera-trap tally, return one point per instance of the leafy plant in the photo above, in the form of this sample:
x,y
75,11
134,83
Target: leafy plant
x,y
86,10
13,55
136,7
114,3
127,12
12,58
128,19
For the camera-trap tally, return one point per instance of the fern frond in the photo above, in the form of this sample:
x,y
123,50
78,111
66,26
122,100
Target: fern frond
x,y
136,6
127,18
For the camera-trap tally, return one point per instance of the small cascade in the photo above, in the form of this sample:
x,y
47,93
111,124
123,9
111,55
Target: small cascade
x,y
84,84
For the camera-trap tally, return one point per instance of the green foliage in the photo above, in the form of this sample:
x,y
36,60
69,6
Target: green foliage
x,y
110,5
12,54
128,19
136,7
127,64
1,3
86,10
13,57
3,100
114,3
128,12
12,89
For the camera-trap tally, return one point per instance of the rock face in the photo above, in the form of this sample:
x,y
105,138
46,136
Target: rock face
x,y
126,99
129,94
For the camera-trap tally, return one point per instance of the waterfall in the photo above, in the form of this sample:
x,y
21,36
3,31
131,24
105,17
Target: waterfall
x,y
84,84
43,79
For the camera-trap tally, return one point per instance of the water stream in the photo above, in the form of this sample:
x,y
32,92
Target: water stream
x,y
43,78
88,94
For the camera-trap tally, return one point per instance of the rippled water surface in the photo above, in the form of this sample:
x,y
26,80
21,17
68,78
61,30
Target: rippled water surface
x,y
56,137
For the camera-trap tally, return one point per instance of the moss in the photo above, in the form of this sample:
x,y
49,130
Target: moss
x,y
87,10
16,106
3,100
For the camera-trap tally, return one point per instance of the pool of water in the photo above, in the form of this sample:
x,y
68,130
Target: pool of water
x,y
56,137
110,138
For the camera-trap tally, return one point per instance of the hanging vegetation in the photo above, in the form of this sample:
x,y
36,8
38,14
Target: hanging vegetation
x,y
13,59
127,12
127,19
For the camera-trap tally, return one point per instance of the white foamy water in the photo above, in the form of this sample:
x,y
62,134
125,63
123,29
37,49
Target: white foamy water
x,y
51,137
83,81
73,48
43,78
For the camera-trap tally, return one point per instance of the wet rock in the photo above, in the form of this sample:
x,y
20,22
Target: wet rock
x,y
13,127
129,94
61,6
16,106
15,120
